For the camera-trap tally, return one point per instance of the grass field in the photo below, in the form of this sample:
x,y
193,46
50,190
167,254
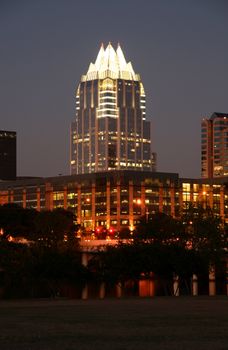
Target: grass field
x,y
159,323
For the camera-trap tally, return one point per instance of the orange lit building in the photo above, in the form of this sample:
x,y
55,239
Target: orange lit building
x,y
117,199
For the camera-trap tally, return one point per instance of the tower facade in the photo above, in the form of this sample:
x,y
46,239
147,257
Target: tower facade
x,y
110,131
214,146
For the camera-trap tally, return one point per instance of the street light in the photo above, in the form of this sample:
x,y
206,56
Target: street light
x,y
138,201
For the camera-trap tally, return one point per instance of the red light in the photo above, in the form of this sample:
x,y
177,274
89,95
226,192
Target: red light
x,y
111,230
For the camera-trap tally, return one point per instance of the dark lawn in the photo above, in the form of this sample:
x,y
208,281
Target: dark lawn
x,y
158,323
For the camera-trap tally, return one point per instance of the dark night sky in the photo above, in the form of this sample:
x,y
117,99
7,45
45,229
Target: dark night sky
x,y
179,47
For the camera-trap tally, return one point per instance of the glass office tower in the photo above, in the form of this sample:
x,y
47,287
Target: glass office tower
x,y
214,146
110,130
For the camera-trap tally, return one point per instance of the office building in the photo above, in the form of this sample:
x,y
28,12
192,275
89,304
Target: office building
x,y
214,146
7,155
117,199
110,131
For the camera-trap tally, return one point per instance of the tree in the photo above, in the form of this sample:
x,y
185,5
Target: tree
x,y
206,233
14,263
53,268
17,221
55,227
159,228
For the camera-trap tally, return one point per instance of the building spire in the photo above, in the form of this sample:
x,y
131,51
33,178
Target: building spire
x,y
111,63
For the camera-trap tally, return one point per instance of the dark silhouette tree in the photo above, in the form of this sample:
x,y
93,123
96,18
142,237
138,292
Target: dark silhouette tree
x,y
16,221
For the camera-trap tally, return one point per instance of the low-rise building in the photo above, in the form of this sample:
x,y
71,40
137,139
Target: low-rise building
x,y
117,199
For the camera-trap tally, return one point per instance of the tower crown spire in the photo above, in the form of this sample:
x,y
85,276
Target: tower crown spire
x,y
110,63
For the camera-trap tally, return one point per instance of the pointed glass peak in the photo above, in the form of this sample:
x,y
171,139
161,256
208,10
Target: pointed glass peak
x,y
100,56
121,58
110,63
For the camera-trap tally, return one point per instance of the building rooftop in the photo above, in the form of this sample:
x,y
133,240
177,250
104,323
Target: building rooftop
x,y
111,63
6,133
218,115
122,175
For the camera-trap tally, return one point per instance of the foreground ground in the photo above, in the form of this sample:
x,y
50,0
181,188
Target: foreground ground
x,y
158,323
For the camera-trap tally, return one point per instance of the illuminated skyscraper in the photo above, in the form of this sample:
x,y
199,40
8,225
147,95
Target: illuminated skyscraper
x,y
110,130
214,146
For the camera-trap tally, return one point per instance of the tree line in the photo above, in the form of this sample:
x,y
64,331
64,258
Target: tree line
x,y
50,262
167,246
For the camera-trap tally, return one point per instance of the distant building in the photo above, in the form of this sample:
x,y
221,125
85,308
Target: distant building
x,y
110,131
8,157
214,146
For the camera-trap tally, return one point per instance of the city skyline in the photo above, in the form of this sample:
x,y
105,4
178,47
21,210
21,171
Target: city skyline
x,y
181,56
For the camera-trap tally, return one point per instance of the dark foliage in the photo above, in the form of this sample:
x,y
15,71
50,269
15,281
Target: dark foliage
x,y
28,271
160,245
